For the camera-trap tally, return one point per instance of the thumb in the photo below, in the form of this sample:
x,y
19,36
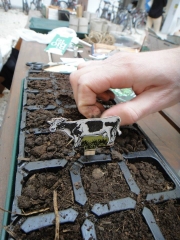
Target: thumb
x,y
139,107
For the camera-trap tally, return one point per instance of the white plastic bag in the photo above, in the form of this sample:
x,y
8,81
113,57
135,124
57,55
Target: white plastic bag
x,y
30,35
1,60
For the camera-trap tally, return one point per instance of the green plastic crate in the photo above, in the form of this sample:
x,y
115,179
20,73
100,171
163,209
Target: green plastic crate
x,y
44,25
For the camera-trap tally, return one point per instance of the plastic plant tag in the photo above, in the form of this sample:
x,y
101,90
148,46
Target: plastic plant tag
x,y
124,95
61,69
58,45
89,133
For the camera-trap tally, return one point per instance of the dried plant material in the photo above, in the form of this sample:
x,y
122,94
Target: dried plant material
x,y
6,228
69,142
57,217
97,173
117,155
34,212
25,214
89,152
23,159
5,210
97,37
72,196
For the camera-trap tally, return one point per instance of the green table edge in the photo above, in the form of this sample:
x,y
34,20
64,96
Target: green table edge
x,y
9,197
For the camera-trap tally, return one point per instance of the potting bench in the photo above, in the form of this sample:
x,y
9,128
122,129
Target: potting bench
x,y
162,128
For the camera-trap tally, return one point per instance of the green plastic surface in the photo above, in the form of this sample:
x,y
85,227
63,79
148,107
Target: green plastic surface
x,y
10,187
44,25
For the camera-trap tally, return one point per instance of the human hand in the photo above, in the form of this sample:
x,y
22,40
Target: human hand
x,y
153,76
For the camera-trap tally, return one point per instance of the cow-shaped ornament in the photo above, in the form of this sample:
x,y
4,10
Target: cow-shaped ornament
x,y
77,130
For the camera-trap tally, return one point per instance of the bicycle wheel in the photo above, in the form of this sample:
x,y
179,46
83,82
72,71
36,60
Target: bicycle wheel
x,y
62,4
25,7
140,25
38,4
104,14
124,19
9,4
5,6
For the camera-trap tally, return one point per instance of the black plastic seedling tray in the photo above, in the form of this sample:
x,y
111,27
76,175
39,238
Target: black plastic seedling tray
x,y
74,162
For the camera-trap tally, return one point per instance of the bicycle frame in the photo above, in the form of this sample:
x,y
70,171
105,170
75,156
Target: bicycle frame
x,y
6,4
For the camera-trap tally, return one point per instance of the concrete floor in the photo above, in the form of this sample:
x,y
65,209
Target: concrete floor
x,y
10,23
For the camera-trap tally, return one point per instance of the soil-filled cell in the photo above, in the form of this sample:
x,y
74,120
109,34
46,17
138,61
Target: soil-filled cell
x,y
42,99
129,141
103,183
37,192
38,119
150,176
40,85
167,216
33,74
48,146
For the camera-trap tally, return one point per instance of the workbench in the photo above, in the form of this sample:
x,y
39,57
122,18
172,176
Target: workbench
x,y
162,128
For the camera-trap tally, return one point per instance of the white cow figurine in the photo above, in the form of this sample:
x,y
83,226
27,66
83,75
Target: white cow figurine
x,y
87,127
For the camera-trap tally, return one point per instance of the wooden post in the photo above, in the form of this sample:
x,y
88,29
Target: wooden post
x,y
84,4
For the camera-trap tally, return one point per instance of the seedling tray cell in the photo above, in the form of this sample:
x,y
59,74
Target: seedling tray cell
x,y
122,192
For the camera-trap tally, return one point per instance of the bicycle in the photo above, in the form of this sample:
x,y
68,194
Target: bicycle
x,y
6,5
36,3
140,23
104,10
25,7
117,10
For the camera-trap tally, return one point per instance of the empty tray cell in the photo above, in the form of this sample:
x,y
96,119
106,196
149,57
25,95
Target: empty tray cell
x,y
129,141
42,99
149,176
48,146
41,85
104,183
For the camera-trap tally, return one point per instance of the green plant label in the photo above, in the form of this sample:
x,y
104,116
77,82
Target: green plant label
x,y
58,45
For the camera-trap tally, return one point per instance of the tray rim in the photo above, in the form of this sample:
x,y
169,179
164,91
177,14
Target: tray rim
x,y
9,195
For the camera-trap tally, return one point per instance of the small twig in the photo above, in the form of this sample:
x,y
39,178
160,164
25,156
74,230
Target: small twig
x,y
5,210
57,217
25,214
69,142
6,228
72,196
23,159
67,230
34,212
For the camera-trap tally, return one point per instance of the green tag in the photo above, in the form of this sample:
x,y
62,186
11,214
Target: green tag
x,y
58,45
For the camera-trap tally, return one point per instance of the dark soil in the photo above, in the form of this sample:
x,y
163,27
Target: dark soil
x,y
102,182
40,85
39,74
41,99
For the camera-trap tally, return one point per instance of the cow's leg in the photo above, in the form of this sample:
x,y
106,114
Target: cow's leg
x,y
76,141
108,131
79,141
117,128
